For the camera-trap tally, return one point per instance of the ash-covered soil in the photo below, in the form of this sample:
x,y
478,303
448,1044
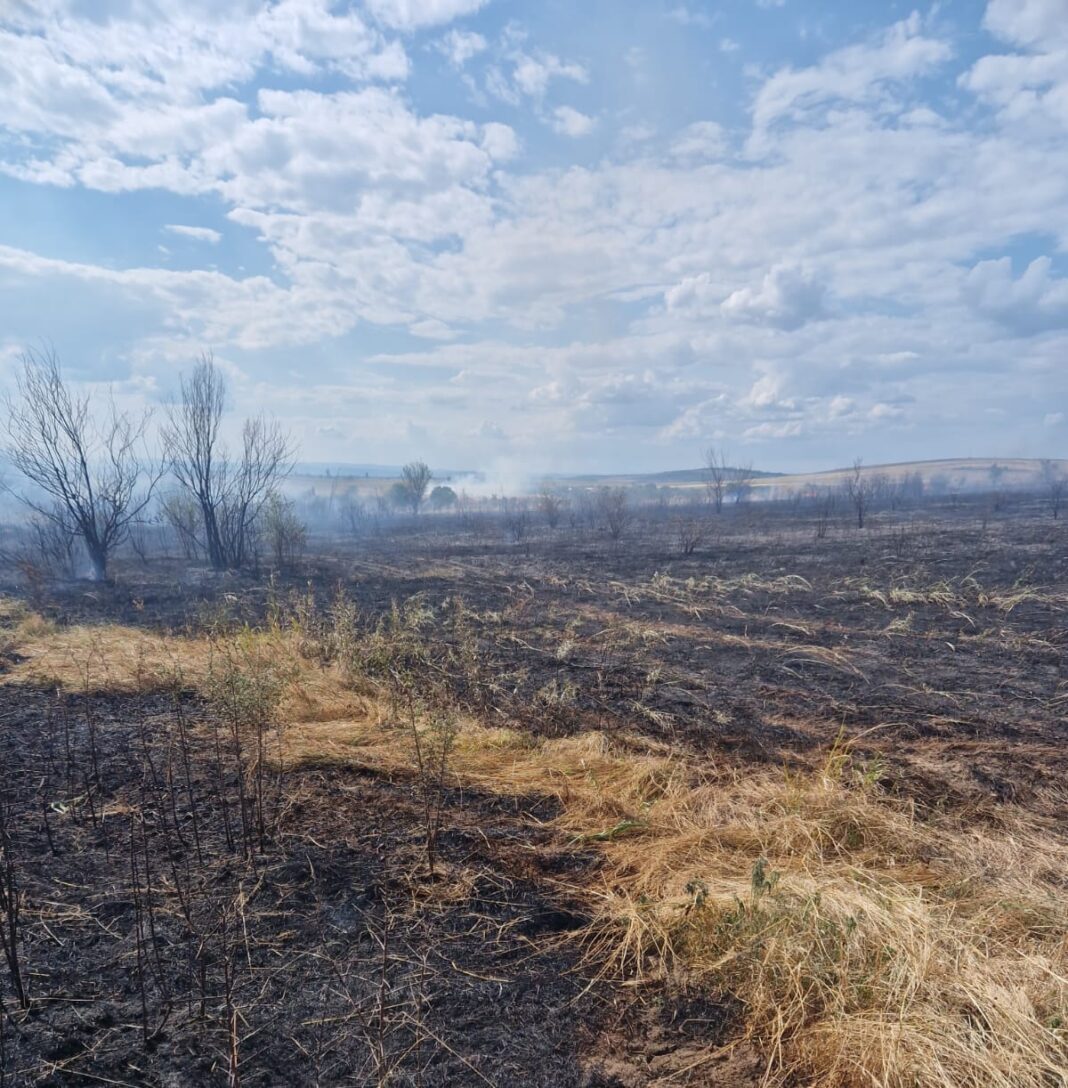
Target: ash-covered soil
x,y
145,924
938,638
935,643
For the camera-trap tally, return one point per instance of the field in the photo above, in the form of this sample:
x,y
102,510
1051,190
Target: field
x,y
970,474
440,808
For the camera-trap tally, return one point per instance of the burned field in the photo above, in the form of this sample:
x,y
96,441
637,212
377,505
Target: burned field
x,y
444,808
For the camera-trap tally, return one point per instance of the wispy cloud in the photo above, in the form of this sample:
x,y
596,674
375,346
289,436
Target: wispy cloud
x,y
200,234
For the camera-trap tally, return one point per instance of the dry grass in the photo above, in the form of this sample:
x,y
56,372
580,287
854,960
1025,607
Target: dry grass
x,y
956,596
868,945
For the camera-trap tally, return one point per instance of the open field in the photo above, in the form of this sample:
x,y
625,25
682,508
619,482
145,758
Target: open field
x,y
439,808
959,473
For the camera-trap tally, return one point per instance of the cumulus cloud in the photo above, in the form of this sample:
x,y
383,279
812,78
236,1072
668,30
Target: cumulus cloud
x,y
570,122
1033,302
1028,22
786,297
533,73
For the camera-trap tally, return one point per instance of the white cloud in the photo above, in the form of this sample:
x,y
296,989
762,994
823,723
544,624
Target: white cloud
x,y
701,140
533,74
1034,302
1028,22
461,45
787,297
200,234
857,73
499,141
686,16
848,279
412,14
1030,86
787,429
570,122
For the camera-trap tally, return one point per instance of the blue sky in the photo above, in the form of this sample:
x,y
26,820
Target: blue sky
x,y
572,235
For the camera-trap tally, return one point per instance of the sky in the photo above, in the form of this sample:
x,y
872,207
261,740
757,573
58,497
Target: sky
x,y
576,235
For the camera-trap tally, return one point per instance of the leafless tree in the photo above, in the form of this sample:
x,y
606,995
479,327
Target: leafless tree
x,y
859,489
740,482
182,513
551,506
517,519
230,492
1056,485
415,479
90,470
286,535
719,473
690,532
825,501
614,509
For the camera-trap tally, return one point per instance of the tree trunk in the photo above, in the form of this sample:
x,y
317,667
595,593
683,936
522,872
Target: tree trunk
x,y
98,562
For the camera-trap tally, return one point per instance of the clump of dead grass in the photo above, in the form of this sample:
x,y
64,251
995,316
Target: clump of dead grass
x,y
867,946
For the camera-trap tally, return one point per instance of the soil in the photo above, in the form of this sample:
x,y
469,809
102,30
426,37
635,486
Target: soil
x,y
347,960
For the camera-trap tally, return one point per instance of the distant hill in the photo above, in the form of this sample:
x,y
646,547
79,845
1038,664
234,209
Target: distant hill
x,y
961,473
968,472
676,476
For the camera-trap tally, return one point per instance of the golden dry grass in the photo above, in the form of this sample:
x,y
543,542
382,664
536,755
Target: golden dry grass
x,y
868,944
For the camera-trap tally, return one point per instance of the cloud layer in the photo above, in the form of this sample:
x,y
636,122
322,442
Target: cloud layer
x,y
424,227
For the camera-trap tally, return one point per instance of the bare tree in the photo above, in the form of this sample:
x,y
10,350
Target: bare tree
x,y
229,492
1056,485
182,513
90,471
614,508
690,532
415,479
551,506
718,476
740,483
517,519
859,489
286,534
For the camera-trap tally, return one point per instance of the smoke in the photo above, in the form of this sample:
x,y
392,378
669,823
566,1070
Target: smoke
x,y
504,479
